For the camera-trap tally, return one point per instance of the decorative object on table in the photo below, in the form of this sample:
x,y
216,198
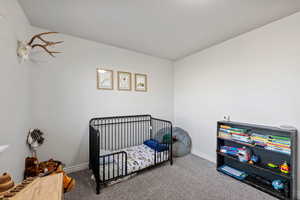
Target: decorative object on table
x,y
124,81
31,167
51,166
6,182
24,48
284,168
47,168
141,84
35,139
278,185
105,79
254,159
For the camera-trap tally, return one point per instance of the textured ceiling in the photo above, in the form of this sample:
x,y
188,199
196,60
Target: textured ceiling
x,y
169,29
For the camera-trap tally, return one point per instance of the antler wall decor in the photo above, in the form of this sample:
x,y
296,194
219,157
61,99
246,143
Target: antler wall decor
x,y
24,48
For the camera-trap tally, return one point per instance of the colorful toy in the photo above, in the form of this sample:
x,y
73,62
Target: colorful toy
x,y
243,154
254,159
284,168
272,165
229,150
278,185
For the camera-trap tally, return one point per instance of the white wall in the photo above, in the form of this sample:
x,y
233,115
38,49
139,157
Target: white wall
x,y
253,78
14,87
65,97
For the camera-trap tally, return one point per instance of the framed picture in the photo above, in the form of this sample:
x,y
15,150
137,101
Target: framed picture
x,y
105,79
141,82
124,81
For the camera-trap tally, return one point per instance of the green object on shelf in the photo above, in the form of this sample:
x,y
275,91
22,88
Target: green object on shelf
x,y
272,165
279,137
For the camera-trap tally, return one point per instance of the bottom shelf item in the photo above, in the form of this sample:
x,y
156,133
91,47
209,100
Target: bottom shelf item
x,y
233,172
277,188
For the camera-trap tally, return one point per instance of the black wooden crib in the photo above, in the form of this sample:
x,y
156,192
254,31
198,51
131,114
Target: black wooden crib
x,y
117,147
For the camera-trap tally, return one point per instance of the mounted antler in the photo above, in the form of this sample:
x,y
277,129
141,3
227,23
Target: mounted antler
x,y
46,43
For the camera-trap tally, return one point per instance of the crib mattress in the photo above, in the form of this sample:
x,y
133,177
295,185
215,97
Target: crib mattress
x,y
138,157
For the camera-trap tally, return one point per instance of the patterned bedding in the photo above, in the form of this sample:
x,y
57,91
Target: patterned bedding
x,y
138,157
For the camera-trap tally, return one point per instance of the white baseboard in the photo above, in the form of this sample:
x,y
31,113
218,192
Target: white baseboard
x,y
76,168
204,156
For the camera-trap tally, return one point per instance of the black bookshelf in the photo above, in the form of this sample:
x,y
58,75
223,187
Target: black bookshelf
x,y
260,169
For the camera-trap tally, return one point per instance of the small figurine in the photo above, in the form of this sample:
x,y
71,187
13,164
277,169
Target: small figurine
x,y
278,185
244,154
254,159
284,168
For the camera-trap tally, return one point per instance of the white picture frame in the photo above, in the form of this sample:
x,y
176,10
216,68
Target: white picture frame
x,y
124,81
105,79
141,84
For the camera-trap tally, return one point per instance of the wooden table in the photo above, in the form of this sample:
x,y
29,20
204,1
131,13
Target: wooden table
x,y
44,188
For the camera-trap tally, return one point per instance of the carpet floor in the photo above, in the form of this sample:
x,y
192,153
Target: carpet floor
x,y
190,178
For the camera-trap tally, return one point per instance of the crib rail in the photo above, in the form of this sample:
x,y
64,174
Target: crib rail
x,y
160,128
113,166
110,135
122,132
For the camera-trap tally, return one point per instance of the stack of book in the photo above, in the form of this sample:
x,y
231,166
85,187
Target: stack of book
x,y
260,140
224,132
279,144
273,143
234,133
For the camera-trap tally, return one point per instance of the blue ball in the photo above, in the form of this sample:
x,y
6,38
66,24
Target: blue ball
x,y
277,185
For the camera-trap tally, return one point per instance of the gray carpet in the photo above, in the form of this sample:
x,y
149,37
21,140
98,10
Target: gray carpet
x,y
190,178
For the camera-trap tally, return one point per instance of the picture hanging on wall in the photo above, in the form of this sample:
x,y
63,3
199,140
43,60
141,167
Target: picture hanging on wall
x,y
124,81
105,79
141,82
